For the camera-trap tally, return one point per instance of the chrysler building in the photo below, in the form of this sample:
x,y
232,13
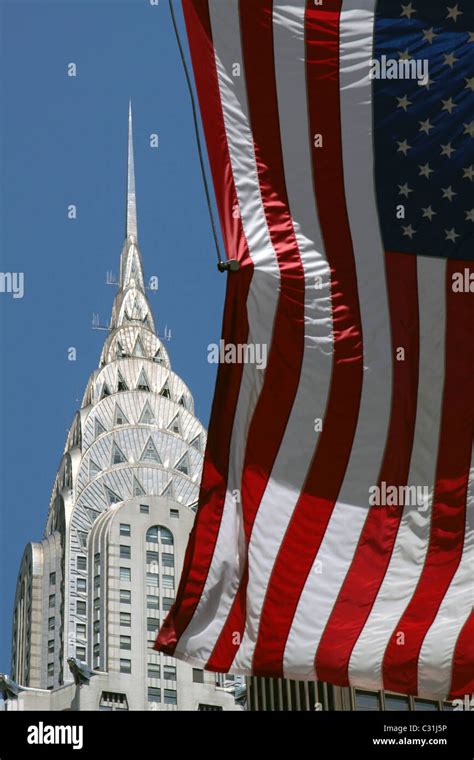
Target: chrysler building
x,y
92,594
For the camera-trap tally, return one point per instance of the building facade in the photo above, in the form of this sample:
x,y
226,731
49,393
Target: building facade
x,y
268,694
93,592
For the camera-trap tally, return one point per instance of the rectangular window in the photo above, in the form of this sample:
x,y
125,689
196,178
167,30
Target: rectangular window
x,y
81,563
154,694
125,596
50,668
51,624
167,603
125,642
125,666
151,557
167,581
81,584
51,600
152,625
174,513
97,603
125,552
96,626
124,529
52,579
152,579
80,631
81,653
167,559
152,602
170,697
153,670
96,581
169,672
80,607
198,675
51,646
125,574
125,619
367,700
394,702
425,704
144,509
97,650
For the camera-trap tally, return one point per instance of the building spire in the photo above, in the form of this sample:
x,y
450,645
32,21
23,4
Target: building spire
x,y
131,306
131,228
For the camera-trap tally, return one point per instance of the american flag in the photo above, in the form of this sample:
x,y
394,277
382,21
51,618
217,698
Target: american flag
x,y
348,202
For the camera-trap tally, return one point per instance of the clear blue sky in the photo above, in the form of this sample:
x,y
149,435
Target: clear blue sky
x,y
64,142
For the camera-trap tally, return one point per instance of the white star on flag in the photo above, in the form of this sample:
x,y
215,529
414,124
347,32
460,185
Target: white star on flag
x,y
408,10
448,193
451,235
428,213
404,189
408,231
454,12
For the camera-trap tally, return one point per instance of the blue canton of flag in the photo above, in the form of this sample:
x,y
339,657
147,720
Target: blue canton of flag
x,y
424,132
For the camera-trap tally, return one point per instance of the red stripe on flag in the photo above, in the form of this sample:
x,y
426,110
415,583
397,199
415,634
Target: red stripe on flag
x,y
315,505
449,501
204,534
286,352
463,673
377,539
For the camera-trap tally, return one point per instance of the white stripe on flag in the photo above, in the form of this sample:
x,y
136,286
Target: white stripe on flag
x,y
412,540
343,531
226,568
300,439
437,651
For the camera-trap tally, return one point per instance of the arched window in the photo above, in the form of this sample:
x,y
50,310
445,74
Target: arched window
x,y
159,576
152,535
166,537
159,534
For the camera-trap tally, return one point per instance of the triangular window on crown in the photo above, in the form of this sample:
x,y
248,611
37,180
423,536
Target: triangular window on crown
x,y
138,489
175,425
158,357
196,442
105,391
147,417
112,498
138,348
94,468
137,309
142,382
117,455
169,490
120,418
183,465
182,401
150,453
120,353
99,428
121,384
165,391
